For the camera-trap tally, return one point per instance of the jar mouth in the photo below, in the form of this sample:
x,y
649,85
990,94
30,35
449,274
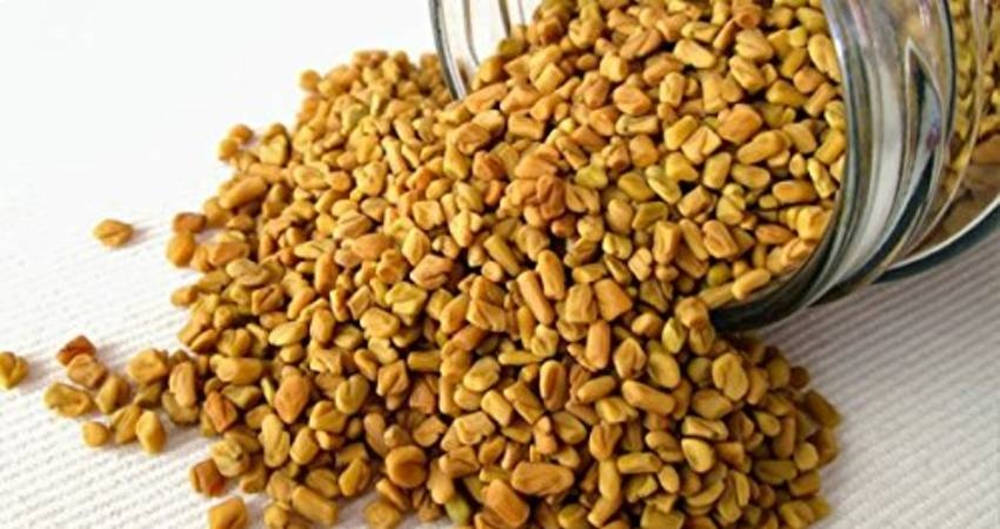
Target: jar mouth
x,y
900,112
898,122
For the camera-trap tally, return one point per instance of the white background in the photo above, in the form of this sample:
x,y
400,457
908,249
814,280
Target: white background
x,y
114,108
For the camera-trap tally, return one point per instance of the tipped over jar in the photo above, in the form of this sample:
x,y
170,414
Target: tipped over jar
x,y
875,124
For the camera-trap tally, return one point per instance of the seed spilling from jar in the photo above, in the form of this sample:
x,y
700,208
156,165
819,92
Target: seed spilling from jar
x,y
497,309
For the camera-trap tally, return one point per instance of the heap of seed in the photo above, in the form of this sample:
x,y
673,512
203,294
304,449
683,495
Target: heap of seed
x,y
497,309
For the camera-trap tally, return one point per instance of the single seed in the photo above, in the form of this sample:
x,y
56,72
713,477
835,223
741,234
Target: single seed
x,y
113,233
150,433
13,370
230,514
95,434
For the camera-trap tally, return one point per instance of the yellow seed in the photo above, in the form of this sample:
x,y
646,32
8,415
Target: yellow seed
x,y
313,506
698,454
67,401
150,433
541,479
113,233
13,370
748,283
405,466
230,514
95,434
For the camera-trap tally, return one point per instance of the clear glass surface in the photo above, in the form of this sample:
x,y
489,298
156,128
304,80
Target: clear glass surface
x,y
912,89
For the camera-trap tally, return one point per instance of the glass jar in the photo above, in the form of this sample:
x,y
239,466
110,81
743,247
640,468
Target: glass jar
x,y
917,77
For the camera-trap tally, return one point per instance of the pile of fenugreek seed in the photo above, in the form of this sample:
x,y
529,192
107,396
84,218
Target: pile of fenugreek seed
x,y
497,309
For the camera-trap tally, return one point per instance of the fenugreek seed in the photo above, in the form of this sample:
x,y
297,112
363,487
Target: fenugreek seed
x,y
730,377
292,397
86,371
406,466
502,501
124,422
353,479
230,514
13,370
148,366
230,458
68,401
381,514
95,434
220,411
113,233
750,282
274,440
206,479
313,506
612,301
646,398
181,248
541,479
150,433
698,454
638,463
243,191
189,222
75,347
304,448
821,410
239,371
114,392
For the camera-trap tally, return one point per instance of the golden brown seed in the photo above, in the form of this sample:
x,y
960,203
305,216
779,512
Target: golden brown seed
x,y
406,466
541,479
313,506
699,454
181,248
189,222
730,377
113,233
240,371
230,457
750,282
646,398
183,384
612,301
206,479
381,514
114,392
148,366
13,370
75,347
95,434
821,410
501,500
243,191
150,433
68,401
230,514
220,411
86,371
292,397
124,422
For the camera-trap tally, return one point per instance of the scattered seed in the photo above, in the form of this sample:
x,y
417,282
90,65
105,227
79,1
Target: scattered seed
x,y
113,233
13,370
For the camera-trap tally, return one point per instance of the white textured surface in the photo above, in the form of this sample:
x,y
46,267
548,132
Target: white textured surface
x,y
113,108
